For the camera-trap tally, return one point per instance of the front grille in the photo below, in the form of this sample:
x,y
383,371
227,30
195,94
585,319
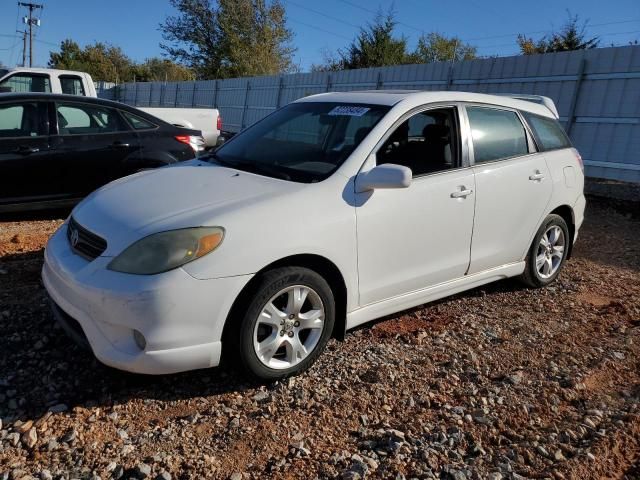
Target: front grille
x,y
83,242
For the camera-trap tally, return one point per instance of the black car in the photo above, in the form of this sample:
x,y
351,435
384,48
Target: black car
x,y
55,149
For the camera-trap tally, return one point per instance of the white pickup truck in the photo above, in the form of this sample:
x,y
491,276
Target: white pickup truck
x,y
207,120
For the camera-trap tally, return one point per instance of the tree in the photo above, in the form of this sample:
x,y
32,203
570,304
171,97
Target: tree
x,y
435,47
233,38
100,60
109,63
572,36
161,69
375,46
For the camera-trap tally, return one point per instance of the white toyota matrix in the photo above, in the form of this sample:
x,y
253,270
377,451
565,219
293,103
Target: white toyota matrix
x,y
333,211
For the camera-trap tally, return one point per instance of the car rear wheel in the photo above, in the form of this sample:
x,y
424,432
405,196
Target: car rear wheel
x,y
547,253
287,324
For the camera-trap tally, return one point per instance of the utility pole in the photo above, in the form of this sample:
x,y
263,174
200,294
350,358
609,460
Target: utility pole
x,y
24,46
31,22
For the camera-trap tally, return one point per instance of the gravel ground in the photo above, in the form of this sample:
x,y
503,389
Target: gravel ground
x,y
500,382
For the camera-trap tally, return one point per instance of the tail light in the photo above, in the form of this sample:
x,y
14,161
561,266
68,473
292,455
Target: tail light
x,y
579,158
196,142
219,122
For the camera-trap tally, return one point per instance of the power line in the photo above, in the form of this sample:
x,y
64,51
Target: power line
x,y
319,29
322,14
355,5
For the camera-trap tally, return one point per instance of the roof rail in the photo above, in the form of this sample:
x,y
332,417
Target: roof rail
x,y
546,101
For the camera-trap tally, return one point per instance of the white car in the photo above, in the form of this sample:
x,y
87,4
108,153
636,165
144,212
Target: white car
x,y
333,211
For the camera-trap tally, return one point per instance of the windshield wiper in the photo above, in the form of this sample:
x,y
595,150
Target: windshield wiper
x,y
252,167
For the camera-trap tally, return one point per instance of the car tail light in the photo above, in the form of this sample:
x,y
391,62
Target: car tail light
x,y
219,122
579,158
196,142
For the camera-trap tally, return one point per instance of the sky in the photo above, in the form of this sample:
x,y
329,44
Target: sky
x,y
491,25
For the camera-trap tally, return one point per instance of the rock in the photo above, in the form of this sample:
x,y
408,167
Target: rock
x,y
13,438
30,438
123,434
559,456
515,378
542,451
117,472
59,408
260,397
143,470
163,476
69,436
46,475
618,355
235,476
52,444
494,476
26,426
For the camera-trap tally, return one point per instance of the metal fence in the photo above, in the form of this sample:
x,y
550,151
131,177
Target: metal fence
x,y
597,93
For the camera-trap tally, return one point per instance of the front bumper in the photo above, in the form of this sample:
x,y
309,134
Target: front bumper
x,y
180,317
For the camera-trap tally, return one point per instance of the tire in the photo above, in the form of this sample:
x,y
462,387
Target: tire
x,y
538,273
268,340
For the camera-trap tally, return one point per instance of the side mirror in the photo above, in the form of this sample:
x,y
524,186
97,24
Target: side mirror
x,y
388,175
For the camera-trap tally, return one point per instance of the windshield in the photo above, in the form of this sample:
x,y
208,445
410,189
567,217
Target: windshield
x,y
3,72
302,142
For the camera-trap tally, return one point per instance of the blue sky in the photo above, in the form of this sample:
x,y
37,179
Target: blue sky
x,y
319,26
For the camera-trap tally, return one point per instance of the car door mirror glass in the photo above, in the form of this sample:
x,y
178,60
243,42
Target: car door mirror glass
x,y
387,175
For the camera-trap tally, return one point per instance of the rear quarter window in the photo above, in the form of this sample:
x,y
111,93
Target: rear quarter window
x,y
547,131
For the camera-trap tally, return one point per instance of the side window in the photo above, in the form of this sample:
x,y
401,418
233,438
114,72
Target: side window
x,y
427,142
85,119
138,123
548,132
496,134
72,85
24,82
22,120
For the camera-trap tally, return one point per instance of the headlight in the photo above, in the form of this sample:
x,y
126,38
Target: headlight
x,y
165,251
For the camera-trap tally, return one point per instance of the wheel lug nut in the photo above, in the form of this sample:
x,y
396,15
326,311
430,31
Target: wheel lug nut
x,y
291,334
281,322
281,333
297,324
291,316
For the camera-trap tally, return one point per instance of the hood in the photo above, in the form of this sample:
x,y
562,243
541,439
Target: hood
x,y
187,194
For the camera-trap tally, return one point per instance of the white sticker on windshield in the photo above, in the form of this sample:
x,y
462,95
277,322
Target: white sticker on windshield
x,y
350,110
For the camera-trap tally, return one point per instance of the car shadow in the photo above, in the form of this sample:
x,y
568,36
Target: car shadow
x,y
42,368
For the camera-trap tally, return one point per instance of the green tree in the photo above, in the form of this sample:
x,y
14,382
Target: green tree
x,y
161,69
572,36
435,47
375,46
231,38
101,61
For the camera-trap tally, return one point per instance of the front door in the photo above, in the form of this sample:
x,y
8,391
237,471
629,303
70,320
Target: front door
x,y
420,236
26,171
513,187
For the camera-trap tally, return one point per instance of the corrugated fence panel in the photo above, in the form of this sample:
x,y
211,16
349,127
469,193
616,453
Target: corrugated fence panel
x,y
599,89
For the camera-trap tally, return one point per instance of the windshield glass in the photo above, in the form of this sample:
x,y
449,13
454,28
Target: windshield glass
x,y
302,142
3,72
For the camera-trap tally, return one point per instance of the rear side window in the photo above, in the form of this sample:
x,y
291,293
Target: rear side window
x,y
24,82
138,123
84,119
72,85
548,132
22,120
496,134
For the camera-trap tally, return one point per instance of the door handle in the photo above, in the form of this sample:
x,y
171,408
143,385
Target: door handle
x,y
536,177
25,150
120,145
461,193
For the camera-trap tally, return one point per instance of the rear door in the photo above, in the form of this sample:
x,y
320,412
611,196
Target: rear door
x,y
27,173
513,187
92,145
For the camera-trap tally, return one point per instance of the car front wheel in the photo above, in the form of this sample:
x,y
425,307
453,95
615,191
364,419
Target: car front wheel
x,y
287,324
547,253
